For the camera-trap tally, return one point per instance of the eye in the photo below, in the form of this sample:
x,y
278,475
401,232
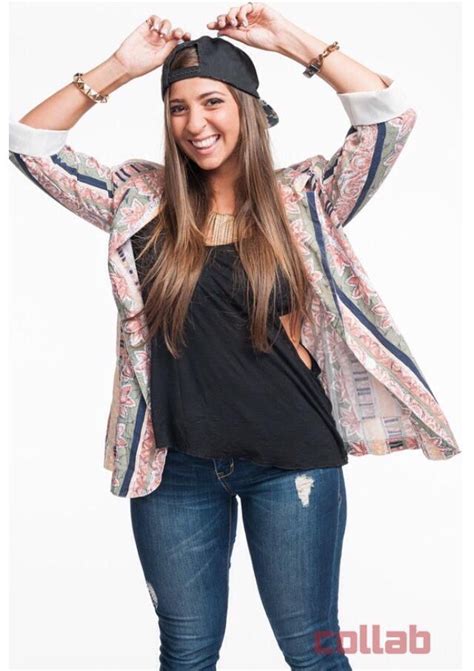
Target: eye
x,y
176,108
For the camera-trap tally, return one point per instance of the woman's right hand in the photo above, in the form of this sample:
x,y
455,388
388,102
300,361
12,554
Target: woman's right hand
x,y
146,49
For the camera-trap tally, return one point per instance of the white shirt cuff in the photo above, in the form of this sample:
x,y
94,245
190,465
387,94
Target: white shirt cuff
x,y
24,139
369,107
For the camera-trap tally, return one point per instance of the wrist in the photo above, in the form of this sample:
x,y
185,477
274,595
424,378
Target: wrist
x,y
297,44
120,70
108,76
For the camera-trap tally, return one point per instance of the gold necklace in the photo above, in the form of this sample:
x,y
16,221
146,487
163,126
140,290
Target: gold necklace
x,y
220,229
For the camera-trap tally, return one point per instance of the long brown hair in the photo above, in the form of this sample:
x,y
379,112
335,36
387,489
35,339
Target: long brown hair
x,y
176,244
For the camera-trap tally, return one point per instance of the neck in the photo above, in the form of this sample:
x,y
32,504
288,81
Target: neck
x,y
222,186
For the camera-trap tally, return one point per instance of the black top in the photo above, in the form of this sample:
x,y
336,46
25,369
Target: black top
x,y
223,399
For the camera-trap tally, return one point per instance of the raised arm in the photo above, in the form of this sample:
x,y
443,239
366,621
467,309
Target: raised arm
x,y
63,109
38,148
377,108
381,122
38,141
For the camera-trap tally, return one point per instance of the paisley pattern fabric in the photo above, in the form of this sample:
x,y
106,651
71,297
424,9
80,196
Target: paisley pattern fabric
x,y
382,403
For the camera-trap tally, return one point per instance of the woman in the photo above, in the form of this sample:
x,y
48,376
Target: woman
x,y
232,286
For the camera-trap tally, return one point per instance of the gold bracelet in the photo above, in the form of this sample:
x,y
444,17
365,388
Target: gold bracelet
x,y
85,88
315,64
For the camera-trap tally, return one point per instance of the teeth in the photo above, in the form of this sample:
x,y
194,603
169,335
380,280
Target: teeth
x,y
206,143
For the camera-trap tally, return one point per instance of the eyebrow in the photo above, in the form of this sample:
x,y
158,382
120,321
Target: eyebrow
x,y
203,95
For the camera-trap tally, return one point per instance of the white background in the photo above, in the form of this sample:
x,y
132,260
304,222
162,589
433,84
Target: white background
x,y
78,596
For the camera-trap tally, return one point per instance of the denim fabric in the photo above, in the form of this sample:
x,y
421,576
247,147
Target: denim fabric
x,y
294,522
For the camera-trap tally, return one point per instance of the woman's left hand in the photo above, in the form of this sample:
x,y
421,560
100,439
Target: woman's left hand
x,y
260,26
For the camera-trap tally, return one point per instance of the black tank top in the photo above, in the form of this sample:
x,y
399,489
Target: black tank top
x,y
224,399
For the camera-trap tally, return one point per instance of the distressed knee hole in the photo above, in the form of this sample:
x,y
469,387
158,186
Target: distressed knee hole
x,y
303,484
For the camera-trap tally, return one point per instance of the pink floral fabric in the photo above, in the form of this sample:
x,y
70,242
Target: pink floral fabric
x,y
382,403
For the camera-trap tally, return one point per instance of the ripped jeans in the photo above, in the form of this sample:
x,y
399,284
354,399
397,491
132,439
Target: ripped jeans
x,y
294,523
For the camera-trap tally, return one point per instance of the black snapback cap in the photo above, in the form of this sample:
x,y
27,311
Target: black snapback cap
x,y
218,59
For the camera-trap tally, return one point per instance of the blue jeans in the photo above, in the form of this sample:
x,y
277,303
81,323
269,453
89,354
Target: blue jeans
x,y
294,523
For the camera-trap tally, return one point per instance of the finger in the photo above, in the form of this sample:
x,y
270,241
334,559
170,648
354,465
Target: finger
x,y
221,20
180,35
225,20
232,16
165,28
242,19
177,33
153,22
156,26
249,8
242,15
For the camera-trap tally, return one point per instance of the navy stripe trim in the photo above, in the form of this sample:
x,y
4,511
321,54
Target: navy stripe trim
x,y
81,178
375,162
386,343
133,450
338,293
86,179
128,174
319,237
374,165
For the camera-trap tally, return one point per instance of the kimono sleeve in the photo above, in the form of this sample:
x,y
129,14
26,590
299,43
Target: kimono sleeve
x,y
381,121
79,182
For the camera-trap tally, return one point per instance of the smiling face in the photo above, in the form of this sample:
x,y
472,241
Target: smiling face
x,y
201,109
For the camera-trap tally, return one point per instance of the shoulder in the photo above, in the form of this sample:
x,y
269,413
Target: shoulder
x,y
297,175
139,173
137,166
142,164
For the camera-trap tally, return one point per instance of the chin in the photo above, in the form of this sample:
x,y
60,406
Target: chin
x,y
209,167
208,163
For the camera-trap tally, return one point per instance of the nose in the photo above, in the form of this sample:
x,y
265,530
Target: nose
x,y
197,122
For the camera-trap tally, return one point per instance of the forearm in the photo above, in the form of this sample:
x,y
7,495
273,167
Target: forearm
x,y
65,107
341,72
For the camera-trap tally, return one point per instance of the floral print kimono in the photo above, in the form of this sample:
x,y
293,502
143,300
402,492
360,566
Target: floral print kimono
x,y
382,403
